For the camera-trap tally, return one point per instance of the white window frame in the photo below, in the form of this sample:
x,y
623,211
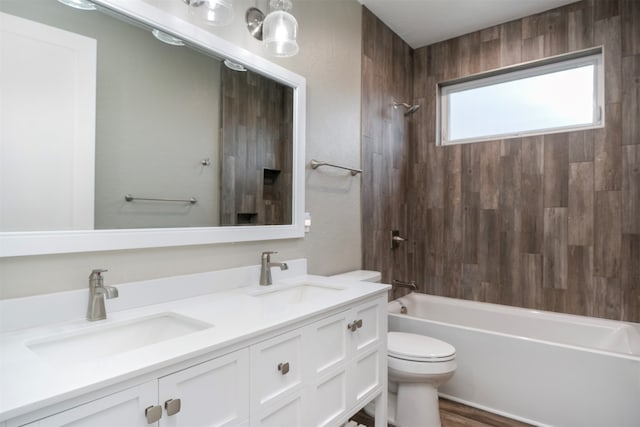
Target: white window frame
x,y
521,71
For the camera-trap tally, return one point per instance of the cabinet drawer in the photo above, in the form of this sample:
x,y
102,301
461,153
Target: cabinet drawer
x,y
276,368
125,408
213,394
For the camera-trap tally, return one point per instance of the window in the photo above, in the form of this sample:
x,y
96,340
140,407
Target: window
x,y
553,95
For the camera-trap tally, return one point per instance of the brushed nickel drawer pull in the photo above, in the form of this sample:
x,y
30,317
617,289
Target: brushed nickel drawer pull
x,y
283,368
172,406
153,414
356,324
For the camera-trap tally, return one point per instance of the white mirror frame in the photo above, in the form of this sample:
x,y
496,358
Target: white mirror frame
x,y
56,242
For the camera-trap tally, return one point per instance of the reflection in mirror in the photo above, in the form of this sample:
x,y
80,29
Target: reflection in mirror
x,y
257,149
154,113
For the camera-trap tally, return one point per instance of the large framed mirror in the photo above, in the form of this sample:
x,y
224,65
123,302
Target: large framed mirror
x,y
119,141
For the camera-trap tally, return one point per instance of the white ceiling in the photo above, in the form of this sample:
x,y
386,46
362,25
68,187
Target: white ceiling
x,y
423,22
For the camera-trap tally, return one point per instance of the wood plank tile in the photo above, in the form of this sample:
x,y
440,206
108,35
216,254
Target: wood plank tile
x,y
608,162
533,26
581,146
555,248
556,37
470,60
609,297
470,231
630,277
532,48
489,175
581,204
532,156
511,43
470,284
580,28
607,32
531,279
490,54
607,234
579,278
631,189
532,215
489,246
630,15
435,176
631,99
468,416
435,242
604,9
510,259
556,170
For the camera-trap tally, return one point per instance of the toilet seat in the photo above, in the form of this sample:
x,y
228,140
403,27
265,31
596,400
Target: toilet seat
x,y
418,348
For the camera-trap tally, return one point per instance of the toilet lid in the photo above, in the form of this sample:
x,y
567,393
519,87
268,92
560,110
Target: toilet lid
x,y
420,348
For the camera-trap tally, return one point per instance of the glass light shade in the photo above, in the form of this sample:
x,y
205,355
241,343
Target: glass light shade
x,y
279,32
167,38
213,12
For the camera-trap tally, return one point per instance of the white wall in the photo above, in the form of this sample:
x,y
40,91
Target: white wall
x,y
329,58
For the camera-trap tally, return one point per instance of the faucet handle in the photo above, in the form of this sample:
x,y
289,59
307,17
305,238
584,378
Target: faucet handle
x,y
97,272
267,254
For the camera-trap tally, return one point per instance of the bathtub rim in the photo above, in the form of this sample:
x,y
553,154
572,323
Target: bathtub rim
x,y
531,312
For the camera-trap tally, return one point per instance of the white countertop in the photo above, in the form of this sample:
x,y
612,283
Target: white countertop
x,y
29,383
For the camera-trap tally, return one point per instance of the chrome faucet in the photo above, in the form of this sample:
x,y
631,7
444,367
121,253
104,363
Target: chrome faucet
x,y
395,284
265,268
97,293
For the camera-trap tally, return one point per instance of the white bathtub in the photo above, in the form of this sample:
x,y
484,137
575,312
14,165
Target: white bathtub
x,y
544,368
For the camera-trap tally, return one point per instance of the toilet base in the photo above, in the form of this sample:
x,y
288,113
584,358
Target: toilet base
x,y
420,410
417,406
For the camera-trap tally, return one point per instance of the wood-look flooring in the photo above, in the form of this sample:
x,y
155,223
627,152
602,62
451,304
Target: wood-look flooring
x,y
454,414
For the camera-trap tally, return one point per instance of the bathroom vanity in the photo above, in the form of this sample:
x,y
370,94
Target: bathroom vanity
x,y
204,349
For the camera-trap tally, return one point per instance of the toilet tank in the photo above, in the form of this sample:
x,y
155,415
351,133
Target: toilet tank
x,y
361,275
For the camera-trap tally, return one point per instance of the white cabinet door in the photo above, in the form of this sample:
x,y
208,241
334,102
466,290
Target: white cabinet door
x,y
277,369
126,408
211,394
289,411
327,352
367,367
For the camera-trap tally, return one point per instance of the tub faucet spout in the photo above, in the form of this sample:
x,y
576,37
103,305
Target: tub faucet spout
x,y
266,265
97,294
395,284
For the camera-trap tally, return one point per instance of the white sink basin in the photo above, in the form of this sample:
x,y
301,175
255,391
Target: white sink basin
x,y
106,340
296,294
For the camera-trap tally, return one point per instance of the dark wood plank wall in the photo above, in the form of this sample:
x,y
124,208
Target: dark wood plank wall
x,y
548,222
257,134
387,69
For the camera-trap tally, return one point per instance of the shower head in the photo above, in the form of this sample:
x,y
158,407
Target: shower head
x,y
410,108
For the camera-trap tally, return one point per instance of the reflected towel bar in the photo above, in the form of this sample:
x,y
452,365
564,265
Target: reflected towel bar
x,y
316,164
130,198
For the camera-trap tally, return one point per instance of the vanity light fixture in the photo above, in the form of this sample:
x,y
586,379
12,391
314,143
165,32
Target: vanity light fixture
x,y
278,30
212,12
166,38
79,4
234,65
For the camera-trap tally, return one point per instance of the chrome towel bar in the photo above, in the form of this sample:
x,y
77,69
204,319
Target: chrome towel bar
x,y
130,198
316,164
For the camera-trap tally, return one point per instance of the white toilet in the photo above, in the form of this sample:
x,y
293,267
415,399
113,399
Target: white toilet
x,y
417,366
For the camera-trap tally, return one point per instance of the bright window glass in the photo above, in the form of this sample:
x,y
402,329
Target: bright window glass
x,y
554,97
